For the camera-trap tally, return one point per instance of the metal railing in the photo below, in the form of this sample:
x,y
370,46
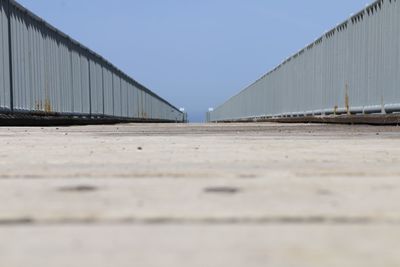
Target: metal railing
x,y
44,71
354,68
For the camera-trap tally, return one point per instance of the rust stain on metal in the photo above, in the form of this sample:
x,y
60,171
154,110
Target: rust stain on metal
x,y
347,99
47,105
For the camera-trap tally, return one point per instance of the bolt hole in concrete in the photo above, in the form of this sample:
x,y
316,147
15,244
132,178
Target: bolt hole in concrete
x,y
78,188
222,190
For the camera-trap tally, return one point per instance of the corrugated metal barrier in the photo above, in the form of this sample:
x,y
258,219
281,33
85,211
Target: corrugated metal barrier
x,y
45,72
352,69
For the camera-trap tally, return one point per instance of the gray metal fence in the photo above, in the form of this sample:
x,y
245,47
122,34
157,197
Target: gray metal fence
x,y
354,68
44,71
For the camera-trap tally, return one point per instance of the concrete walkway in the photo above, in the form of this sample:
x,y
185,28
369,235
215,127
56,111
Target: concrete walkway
x,y
200,195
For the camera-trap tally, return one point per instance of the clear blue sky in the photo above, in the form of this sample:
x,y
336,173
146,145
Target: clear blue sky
x,y
196,54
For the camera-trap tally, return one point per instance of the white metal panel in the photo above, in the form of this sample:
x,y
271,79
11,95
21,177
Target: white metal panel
x,y
96,87
108,92
117,96
352,68
53,73
5,100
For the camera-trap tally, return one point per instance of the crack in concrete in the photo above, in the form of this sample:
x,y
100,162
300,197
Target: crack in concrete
x,y
279,220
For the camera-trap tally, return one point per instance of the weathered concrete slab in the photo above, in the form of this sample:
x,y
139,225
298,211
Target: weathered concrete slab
x,y
200,245
200,195
196,201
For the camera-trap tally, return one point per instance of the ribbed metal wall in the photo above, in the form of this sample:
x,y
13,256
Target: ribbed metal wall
x,y
4,59
354,68
47,72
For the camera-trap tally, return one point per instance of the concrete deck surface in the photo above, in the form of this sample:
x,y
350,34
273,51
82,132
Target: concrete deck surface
x,y
200,195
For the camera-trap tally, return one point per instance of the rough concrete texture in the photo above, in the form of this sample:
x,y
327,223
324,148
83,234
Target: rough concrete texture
x,y
200,195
